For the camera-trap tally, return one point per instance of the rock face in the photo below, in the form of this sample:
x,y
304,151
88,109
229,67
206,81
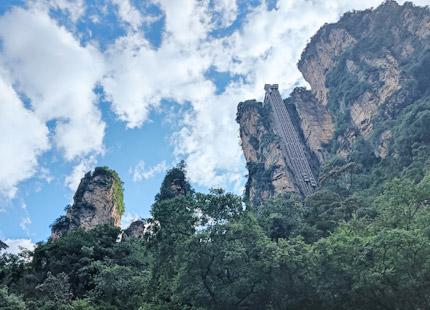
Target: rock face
x,y
137,229
98,200
317,61
314,121
269,174
363,71
360,69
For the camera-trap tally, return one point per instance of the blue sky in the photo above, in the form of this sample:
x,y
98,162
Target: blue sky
x,y
136,86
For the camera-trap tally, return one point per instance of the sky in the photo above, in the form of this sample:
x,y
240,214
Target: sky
x,y
137,86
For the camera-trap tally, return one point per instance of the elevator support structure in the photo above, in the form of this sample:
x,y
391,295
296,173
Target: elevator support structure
x,y
292,147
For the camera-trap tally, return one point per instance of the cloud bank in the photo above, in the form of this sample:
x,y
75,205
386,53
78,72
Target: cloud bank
x,y
16,246
48,73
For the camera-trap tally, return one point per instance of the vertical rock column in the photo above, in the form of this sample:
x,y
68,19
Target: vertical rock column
x,y
98,200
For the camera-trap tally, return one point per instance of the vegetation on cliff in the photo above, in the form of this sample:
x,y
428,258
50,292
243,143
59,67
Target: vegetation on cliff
x,y
259,177
99,199
113,180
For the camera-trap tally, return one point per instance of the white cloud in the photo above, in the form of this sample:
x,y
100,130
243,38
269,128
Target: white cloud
x,y
210,140
228,10
25,221
73,180
128,218
141,77
128,13
141,173
49,66
23,137
45,174
75,9
187,21
15,246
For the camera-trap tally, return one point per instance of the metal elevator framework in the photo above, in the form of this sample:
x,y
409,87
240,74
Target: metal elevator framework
x,y
291,145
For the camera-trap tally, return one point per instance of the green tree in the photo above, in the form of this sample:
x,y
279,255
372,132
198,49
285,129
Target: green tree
x,y
9,301
283,217
229,260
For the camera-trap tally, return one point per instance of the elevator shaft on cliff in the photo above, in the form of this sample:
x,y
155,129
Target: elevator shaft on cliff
x,y
291,145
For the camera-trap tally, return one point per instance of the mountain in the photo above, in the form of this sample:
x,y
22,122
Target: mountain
x,y
370,82
98,200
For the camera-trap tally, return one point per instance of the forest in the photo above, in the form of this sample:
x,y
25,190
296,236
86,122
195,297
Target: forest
x,y
334,250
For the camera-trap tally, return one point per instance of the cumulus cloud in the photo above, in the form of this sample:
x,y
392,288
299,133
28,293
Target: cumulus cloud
x,y
140,77
26,220
24,223
23,137
140,172
74,9
16,246
57,74
73,180
48,66
228,11
128,13
45,174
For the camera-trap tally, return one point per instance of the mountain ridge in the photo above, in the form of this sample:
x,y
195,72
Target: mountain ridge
x,y
358,90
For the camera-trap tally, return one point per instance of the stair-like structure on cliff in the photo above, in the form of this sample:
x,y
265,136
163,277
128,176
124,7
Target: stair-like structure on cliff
x,y
292,147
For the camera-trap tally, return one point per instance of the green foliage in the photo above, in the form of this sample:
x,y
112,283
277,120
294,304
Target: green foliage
x,y
281,217
53,293
344,86
60,223
118,189
82,304
211,251
216,277
90,264
10,301
174,183
260,179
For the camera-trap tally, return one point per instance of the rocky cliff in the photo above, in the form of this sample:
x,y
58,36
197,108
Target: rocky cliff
x,y
137,229
364,71
269,174
98,200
